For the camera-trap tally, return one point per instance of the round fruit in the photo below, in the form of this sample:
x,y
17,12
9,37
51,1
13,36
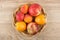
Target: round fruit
x,y
32,28
35,9
40,19
19,16
20,26
24,9
28,18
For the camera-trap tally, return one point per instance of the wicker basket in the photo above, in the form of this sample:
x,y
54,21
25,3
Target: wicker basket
x,y
24,33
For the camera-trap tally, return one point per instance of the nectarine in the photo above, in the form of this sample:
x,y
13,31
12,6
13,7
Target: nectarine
x,y
28,18
24,9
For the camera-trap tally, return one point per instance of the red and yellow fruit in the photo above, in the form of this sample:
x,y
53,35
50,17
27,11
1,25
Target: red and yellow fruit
x,y
41,20
20,26
24,9
28,18
32,28
35,9
19,16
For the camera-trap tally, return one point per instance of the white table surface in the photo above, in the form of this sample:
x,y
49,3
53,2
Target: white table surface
x,y
52,30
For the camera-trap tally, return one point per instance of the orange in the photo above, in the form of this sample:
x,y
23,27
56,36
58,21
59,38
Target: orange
x,y
40,19
21,26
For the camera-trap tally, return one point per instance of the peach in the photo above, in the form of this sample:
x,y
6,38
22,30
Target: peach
x,y
35,9
20,26
24,9
41,19
19,16
28,18
32,28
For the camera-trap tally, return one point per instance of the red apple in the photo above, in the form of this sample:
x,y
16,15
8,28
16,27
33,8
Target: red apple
x,y
35,9
32,28
19,16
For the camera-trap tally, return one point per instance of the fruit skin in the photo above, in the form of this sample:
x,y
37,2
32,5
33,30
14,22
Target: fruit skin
x,y
35,9
24,9
41,20
20,26
19,16
28,18
32,28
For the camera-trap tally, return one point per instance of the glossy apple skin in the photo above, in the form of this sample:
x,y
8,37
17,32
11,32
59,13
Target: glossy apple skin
x,y
35,9
32,28
19,16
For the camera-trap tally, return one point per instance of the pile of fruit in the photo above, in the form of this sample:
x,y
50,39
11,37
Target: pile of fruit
x,y
29,18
